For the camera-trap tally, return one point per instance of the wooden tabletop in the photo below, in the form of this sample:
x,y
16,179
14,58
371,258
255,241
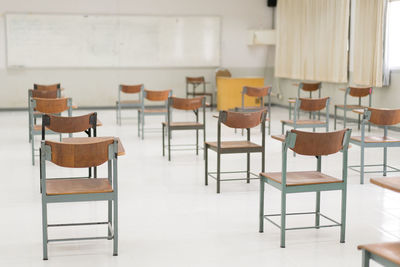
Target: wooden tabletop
x,y
88,140
391,183
280,137
358,111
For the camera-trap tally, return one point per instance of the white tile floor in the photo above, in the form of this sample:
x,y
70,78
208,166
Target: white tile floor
x,y
169,218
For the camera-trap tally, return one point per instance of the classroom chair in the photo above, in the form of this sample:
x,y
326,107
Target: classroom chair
x,y
236,120
387,254
315,145
85,123
359,92
131,103
195,82
309,87
80,155
381,118
39,94
46,106
192,104
313,105
260,93
153,96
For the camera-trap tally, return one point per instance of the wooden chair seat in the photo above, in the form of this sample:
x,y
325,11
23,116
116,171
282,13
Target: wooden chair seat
x,y
391,183
153,110
183,124
129,101
303,122
351,106
78,186
302,178
389,251
376,139
234,144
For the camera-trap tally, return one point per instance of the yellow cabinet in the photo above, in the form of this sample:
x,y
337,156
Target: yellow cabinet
x,y
229,94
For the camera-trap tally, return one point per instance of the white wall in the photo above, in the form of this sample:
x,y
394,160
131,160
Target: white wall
x,y
98,87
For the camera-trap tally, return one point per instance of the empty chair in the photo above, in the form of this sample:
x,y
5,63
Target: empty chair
x,y
309,87
315,145
81,155
195,82
46,106
311,105
57,124
153,96
190,104
236,120
359,92
261,93
125,103
39,94
382,118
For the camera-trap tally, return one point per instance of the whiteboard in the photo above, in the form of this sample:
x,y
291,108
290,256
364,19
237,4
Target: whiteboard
x,y
44,40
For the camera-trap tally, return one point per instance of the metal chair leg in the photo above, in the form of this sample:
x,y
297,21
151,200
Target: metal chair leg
x,y
362,165
169,144
283,219
261,219
365,258
206,165
334,120
139,122
33,149
197,142
384,161
110,221
344,117
44,229
317,209
248,167
218,173
115,227
163,140
142,121
343,217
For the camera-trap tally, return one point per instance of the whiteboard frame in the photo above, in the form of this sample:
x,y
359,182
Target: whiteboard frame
x,y
115,15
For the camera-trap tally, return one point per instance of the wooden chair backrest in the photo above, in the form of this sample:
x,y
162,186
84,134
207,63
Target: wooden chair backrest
x,y
131,89
157,95
51,106
186,103
318,144
79,155
47,87
70,124
313,104
257,91
384,117
242,120
44,93
360,92
310,87
195,80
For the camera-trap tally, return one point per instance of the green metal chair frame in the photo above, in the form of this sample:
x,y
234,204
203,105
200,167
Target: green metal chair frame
x,y
354,92
40,94
142,112
111,197
34,131
134,104
313,111
239,121
391,117
184,104
196,82
314,147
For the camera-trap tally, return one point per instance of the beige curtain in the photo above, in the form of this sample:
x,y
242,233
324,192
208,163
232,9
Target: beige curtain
x,y
369,42
312,40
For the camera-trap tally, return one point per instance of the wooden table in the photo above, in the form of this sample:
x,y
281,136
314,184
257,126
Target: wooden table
x,y
88,140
